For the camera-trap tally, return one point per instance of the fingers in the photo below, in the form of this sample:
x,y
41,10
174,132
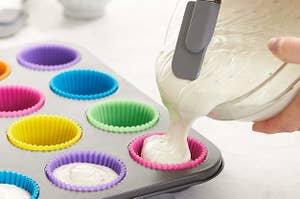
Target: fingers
x,y
286,121
286,48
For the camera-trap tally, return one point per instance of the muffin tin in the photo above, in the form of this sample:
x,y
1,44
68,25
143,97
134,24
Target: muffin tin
x,y
90,132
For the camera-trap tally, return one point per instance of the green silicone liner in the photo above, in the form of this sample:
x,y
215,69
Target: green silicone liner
x,y
122,116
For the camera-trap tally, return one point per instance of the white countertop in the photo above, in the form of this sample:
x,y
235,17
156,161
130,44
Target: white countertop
x,y
128,39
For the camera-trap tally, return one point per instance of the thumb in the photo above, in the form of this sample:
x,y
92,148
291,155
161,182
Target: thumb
x,y
286,48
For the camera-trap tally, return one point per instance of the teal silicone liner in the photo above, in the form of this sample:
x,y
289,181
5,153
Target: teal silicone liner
x,y
83,84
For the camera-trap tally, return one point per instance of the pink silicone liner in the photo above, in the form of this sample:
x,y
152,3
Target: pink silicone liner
x,y
18,101
198,152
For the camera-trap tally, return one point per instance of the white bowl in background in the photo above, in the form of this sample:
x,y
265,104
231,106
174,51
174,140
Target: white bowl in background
x,y
84,9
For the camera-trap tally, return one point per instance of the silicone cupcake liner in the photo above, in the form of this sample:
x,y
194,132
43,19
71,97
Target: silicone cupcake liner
x,y
48,57
21,181
198,152
4,70
17,101
122,116
87,157
44,133
83,84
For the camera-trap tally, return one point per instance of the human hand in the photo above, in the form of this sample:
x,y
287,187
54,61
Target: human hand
x,y
288,50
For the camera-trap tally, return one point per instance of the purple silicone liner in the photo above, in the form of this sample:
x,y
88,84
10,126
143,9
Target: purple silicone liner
x,y
48,57
87,157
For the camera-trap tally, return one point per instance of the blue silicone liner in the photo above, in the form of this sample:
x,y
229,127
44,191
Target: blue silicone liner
x,y
83,84
20,180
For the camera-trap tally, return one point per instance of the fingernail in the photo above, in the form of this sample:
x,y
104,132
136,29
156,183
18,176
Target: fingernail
x,y
274,44
255,128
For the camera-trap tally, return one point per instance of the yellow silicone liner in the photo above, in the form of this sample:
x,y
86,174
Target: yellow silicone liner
x,y
44,133
4,70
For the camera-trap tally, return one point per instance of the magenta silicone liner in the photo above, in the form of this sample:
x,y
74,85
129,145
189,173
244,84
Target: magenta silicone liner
x,y
16,101
48,57
88,157
198,152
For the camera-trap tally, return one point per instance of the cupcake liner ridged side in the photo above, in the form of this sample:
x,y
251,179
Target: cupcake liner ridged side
x,y
197,149
21,181
83,84
4,70
48,57
86,157
122,116
44,133
18,101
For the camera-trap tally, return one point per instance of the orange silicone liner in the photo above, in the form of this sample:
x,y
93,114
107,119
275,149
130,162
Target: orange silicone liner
x,y
4,70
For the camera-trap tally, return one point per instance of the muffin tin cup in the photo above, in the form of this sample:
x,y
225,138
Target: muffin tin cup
x,y
44,133
4,70
48,57
92,157
83,84
122,116
18,101
21,181
197,149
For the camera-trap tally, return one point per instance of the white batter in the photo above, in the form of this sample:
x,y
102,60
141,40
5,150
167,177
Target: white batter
x,y
237,61
8,191
85,174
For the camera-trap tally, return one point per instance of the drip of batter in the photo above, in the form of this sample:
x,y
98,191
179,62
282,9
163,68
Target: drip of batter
x,y
8,191
85,174
236,61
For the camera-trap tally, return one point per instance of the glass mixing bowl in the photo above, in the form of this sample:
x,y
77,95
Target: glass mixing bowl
x,y
247,108
240,41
